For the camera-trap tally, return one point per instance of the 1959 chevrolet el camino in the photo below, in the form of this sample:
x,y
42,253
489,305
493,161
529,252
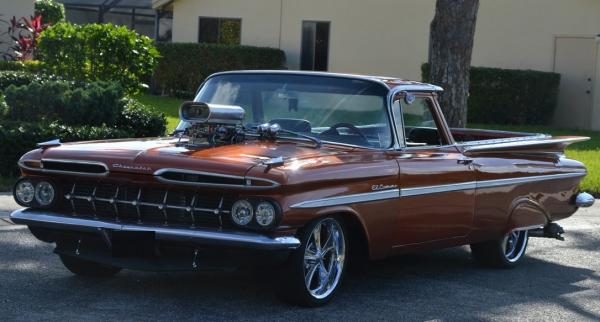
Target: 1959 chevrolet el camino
x,y
301,172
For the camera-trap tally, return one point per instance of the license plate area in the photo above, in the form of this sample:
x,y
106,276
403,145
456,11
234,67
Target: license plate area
x,y
133,244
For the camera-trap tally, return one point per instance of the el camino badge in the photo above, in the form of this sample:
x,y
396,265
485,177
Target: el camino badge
x,y
379,187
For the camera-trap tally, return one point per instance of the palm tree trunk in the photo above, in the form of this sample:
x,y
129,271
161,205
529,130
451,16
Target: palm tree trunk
x,y
451,46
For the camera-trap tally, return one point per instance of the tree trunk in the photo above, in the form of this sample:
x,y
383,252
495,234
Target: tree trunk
x,y
451,46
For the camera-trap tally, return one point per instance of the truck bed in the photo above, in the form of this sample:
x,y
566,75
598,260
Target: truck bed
x,y
478,140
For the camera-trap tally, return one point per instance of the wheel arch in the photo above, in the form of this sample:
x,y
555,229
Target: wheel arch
x,y
358,234
526,213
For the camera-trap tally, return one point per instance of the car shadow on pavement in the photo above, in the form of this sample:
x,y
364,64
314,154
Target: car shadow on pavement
x,y
443,284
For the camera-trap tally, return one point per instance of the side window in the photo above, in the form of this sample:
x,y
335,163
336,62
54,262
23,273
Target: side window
x,y
420,127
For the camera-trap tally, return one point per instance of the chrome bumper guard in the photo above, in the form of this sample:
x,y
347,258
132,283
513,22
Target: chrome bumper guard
x,y
584,200
47,219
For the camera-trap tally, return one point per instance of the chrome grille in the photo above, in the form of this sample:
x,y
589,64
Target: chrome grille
x,y
147,205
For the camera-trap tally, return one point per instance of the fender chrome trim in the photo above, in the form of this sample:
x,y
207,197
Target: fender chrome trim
x,y
48,219
511,181
419,191
348,199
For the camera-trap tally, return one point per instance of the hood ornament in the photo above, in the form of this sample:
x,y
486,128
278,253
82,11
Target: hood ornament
x,y
274,162
49,144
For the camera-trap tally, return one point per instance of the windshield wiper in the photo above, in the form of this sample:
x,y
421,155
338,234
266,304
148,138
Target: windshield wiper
x,y
271,131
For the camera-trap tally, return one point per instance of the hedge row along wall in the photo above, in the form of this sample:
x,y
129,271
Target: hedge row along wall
x,y
507,96
184,66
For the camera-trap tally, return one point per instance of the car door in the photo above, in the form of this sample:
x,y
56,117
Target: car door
x,y
437,183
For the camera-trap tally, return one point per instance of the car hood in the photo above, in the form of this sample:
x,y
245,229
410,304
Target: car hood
x,y
146,156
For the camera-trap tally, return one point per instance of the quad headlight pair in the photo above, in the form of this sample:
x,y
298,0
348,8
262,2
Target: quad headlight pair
x,y
246,213
34,193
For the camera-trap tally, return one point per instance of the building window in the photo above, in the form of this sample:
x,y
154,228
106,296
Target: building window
x,y
315,45
220,31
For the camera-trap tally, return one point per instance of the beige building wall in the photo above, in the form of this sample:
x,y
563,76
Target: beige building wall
x,y
8,9
260,19
390,37
356,45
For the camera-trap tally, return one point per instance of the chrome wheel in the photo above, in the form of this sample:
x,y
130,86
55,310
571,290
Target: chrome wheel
x,y
514,245
324,258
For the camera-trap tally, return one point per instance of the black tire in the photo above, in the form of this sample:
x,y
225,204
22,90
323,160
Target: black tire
x,y
292,286
500,253
83,267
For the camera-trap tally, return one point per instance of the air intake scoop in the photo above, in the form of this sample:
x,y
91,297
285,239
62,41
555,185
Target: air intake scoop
x,y
215,114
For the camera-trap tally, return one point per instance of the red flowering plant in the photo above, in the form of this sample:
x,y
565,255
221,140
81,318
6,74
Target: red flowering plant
x,y
24,34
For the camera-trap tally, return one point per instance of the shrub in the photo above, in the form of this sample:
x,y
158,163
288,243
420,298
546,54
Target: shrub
x,y
32,66
93,52
17,138
51,11
73,104
506,96
23,34
141,120
20,78
3,106
184,66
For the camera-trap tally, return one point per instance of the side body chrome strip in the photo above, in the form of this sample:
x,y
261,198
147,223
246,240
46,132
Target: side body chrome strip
x,y
348,199
511,181
419,191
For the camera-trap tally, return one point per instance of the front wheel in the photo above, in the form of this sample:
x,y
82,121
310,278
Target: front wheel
x,y
506,252
314,271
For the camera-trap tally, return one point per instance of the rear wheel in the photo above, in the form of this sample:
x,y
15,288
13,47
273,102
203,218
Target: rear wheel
x,y
506,252
87,268
314,271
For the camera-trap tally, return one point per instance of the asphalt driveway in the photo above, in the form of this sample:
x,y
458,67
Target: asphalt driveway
x,y
558,281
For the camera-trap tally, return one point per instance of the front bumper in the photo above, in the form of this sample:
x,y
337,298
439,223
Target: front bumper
x,y
57,221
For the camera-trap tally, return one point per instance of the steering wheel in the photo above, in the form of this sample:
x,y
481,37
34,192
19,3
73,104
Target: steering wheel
x,y
333,130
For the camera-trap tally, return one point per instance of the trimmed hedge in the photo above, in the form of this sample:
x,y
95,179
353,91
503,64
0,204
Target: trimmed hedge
x,y
32,66
21,78
17,138
93,104
184,66
508,96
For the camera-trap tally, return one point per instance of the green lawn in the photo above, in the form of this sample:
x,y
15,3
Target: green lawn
x,y
167,105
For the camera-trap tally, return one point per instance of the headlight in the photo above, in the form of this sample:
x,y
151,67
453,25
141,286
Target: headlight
x,y
242,212
265,214
24,192
44,193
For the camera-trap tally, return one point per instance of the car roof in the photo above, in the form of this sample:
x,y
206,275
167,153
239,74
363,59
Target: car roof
x,y
389,82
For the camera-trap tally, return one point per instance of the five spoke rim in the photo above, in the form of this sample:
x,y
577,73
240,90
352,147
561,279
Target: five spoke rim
x,y
324,258
514,245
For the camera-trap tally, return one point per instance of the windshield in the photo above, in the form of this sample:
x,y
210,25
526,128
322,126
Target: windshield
x,y
334,109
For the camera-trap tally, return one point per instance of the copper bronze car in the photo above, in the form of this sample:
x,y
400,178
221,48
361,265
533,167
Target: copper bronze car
x,y
303,173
